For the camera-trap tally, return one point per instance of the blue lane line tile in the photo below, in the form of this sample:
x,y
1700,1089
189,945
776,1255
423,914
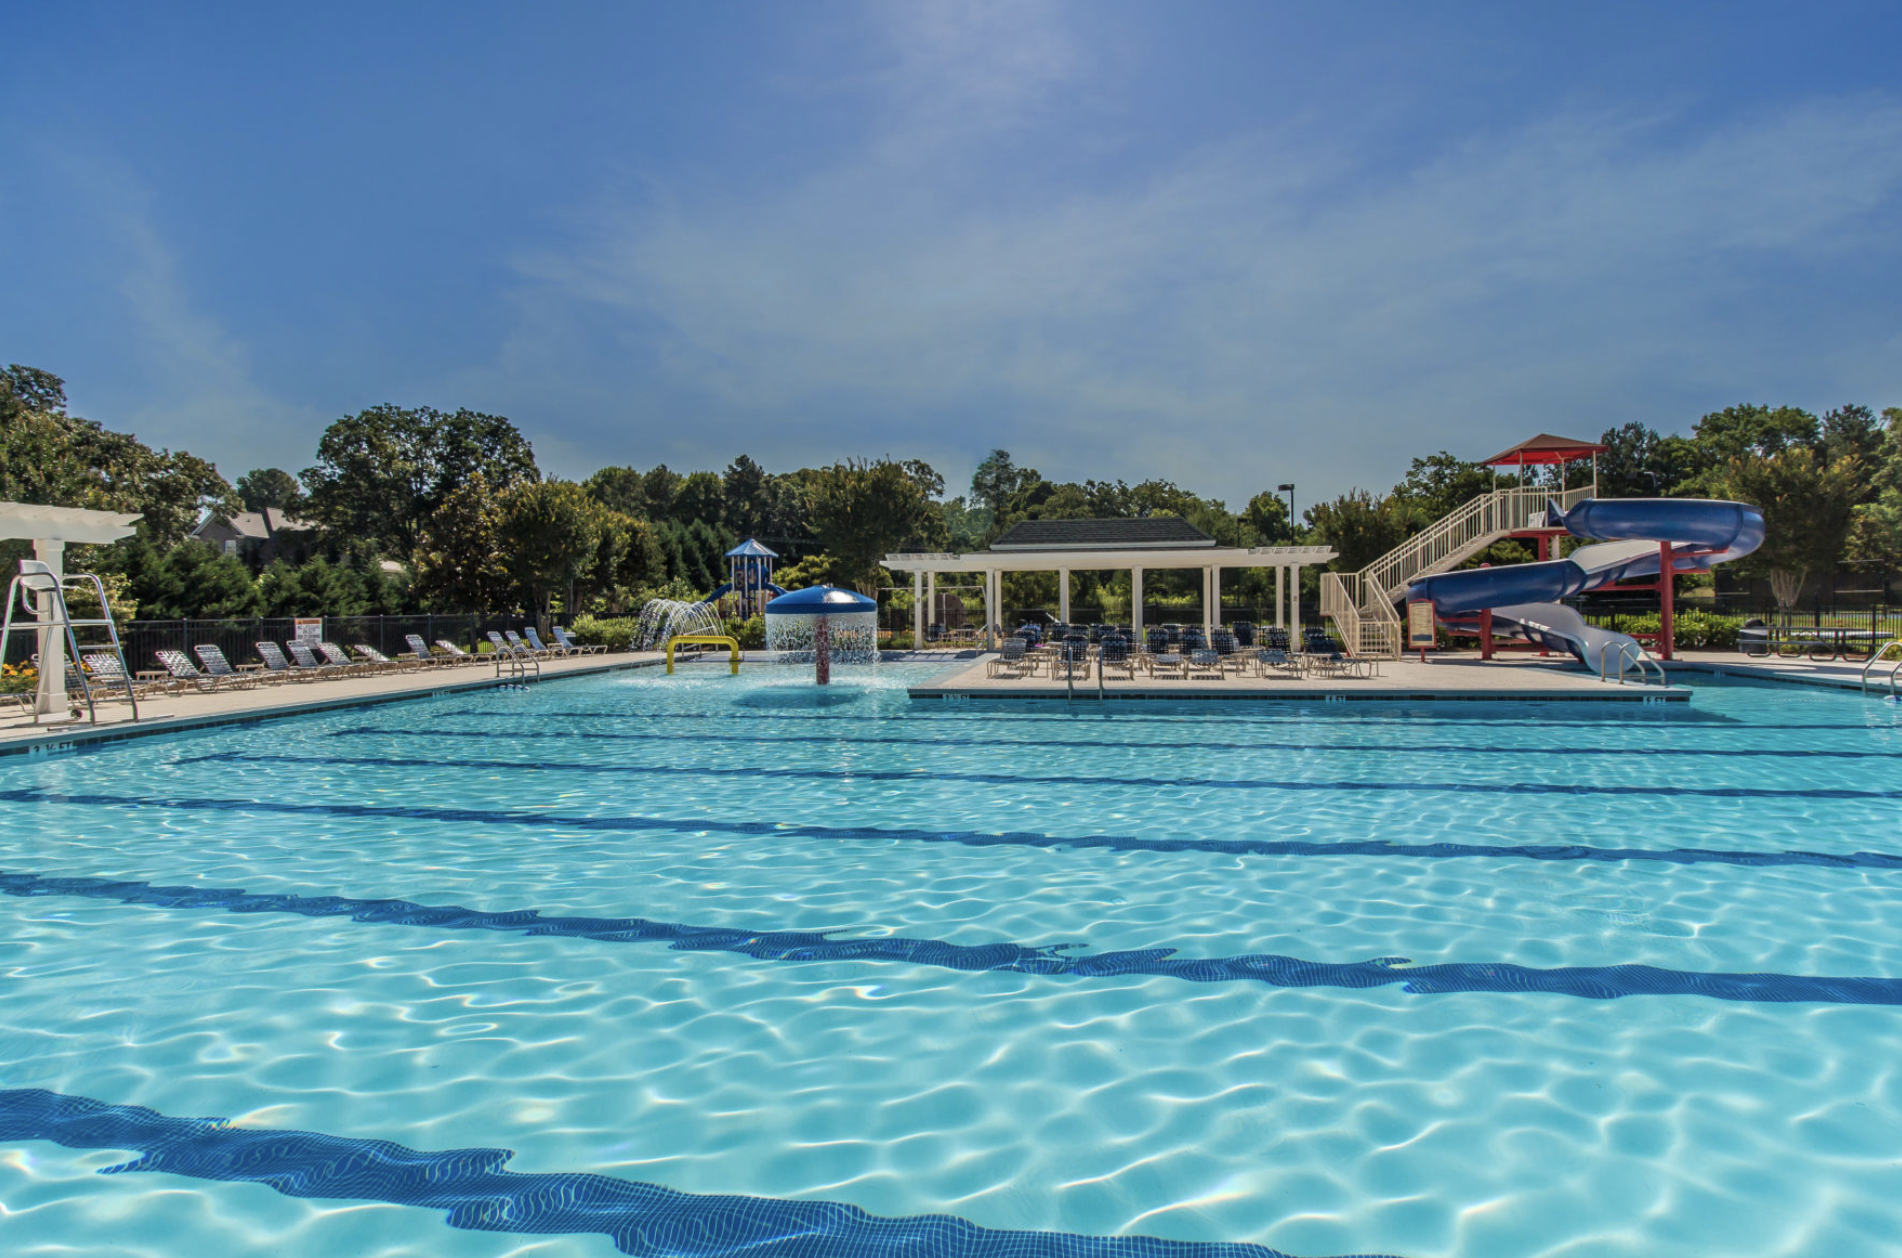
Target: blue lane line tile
x,y
1097,744
1603,982
925,774
479,1195
1375,848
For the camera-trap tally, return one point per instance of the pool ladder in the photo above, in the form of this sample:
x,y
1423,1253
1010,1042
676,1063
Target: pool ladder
x,y
1878,658
1630,653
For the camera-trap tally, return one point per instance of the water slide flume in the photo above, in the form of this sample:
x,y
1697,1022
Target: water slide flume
x,y
1524,598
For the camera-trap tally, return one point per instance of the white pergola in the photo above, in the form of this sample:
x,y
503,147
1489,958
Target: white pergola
x,y
1287,561
50,529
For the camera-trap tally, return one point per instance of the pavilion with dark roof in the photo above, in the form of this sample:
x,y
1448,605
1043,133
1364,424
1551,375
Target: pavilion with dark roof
x,y
1168,543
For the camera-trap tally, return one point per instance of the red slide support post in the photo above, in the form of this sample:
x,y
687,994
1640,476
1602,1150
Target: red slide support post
x,y
1667,592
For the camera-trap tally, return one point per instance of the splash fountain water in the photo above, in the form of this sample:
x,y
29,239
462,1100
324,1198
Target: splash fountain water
x,y
664,618
822,626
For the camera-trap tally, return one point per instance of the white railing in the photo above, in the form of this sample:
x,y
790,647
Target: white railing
x,y
1636,656
1362,603
1364,615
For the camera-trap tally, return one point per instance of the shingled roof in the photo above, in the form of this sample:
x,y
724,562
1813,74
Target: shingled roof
x,y
1154,532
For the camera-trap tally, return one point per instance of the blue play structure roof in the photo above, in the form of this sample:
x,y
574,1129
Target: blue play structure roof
x,y
821,598
750,549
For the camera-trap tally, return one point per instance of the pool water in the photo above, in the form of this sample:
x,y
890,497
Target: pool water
x,y
703,962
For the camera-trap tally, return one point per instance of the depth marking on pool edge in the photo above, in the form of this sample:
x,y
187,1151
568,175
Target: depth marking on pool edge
x,y
479,1195
1603,982
1022,779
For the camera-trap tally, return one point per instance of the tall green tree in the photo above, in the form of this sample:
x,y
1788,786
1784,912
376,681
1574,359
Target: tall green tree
x,y
551,533
1639,462
863,510
619,489
1808,508
1361,527
270,487
382,472
459,562
50,457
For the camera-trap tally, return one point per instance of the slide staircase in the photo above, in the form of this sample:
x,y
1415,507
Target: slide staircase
x,y
1361,604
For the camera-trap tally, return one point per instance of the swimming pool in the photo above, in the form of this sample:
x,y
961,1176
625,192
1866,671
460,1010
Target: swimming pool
x,y
693,965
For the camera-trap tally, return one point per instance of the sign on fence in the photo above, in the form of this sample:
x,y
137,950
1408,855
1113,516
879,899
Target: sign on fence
x,y
308,628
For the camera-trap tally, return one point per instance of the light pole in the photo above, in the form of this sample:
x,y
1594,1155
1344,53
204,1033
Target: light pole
x,y
1288,490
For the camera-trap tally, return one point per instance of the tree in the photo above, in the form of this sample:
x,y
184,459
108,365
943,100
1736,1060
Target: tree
x,y
700,496
381,473
1360,527
459,563
1440,484
268,487
997,481
658,489
748,500
55,459
1639,463
1853,432
316,588
1266,516
1808,508
861,511
618,489
550,533
190,580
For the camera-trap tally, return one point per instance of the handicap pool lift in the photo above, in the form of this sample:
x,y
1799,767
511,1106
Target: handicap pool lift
x,y
40,597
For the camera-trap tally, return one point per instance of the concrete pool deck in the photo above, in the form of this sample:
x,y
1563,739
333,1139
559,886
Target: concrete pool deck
x,y
163,713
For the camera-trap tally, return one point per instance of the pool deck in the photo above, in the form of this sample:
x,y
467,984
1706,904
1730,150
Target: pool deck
x,y
1442,677
163,713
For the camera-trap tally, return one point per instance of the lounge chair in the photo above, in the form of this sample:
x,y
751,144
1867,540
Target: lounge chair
x,y
1321,654
1073,656
536,644
307,662
1115,656
1011,660
455,654
213,660
1166,664
340,658
381,662
578,648
420,652
523,648
183,672
1272,661
108,678
1204,663
275,665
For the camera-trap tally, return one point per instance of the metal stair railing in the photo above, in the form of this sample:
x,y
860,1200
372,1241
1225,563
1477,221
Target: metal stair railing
x,y
1878,658
1638,658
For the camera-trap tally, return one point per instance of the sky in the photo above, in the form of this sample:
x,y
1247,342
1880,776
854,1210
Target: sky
x,y
1229,244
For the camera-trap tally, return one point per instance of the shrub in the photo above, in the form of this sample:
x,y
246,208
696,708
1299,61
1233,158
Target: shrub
x,y
750,633
1693,630
614,632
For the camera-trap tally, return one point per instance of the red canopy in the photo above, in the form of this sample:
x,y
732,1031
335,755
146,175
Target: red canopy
x,y
1544,449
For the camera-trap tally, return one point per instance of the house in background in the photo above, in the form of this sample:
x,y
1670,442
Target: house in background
x,y
257,537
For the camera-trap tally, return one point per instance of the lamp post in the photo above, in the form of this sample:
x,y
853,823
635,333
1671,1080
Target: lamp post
x,y
1288,490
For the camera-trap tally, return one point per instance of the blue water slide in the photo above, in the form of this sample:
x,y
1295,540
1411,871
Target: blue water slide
x,y
1524,597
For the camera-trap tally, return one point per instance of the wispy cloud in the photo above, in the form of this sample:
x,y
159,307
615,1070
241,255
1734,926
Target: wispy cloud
x,y
1251,309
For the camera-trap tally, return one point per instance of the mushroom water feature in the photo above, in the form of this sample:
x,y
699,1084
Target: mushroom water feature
x,y
824,625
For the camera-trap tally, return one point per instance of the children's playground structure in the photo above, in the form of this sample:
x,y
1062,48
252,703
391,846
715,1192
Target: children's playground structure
x,y
1639,544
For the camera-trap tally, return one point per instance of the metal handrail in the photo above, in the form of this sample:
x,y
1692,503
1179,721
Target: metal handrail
x,y
1638,656
1877,658
38,578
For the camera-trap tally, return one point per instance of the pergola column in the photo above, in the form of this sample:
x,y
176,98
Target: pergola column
x,y
917,608
1063,595
1215,598
52,639
1136,602
1294,599
1281,594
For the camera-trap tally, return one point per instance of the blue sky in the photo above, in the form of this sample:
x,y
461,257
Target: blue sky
x,y
1229,244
